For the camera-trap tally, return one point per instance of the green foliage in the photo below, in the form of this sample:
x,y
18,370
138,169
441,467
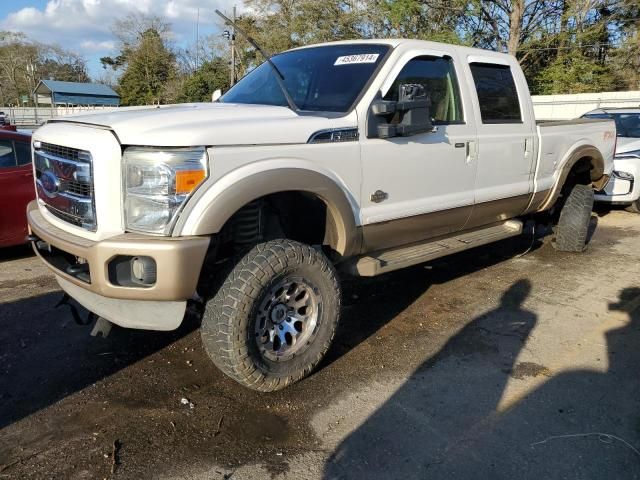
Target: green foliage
x,y
211,76
150,67
574,73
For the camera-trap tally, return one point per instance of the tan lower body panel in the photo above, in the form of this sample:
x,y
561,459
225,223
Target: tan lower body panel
x,y
500,210
394,259
379,236
418,228
178,260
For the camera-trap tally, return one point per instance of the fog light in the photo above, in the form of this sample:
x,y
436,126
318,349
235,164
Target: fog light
x,y
144,270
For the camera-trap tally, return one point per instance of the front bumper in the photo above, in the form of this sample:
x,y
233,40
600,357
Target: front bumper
x,y
85,269
624,187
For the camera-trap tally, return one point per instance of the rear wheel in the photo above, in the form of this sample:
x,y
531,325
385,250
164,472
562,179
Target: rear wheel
x,y
573,225
274,317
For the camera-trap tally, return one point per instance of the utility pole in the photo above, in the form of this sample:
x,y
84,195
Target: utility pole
x,y
231,36
233,49
197,37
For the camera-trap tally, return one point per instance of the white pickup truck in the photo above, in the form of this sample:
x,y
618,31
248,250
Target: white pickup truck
x,y
361,156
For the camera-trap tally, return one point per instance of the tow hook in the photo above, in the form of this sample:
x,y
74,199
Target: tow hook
x,y
101,328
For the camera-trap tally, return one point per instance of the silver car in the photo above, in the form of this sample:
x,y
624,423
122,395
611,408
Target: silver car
x,y
624,187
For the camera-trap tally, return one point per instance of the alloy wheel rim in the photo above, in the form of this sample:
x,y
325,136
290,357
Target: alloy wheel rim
x,y
287,318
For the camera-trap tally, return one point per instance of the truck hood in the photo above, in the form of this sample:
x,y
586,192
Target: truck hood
x,y
627,144
211,124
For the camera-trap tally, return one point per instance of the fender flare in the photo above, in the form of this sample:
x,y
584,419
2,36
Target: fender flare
x,y
598,177
221,208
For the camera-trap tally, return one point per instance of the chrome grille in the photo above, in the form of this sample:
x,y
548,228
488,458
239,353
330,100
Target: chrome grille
x,y
64,183
59,151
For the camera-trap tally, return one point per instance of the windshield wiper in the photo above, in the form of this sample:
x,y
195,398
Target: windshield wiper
x,y
276,71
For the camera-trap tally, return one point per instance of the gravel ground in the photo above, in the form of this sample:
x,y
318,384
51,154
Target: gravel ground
x,y
495,363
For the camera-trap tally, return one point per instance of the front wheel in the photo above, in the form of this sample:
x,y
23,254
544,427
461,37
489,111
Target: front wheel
x,y
572,229
274,317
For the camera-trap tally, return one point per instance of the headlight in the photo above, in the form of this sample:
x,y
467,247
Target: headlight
x,y
157,183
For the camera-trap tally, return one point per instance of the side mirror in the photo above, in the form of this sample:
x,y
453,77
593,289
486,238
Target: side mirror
x,y
216,95
408,116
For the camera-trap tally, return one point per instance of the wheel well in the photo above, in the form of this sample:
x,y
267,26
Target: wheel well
x,y
295,215
580,173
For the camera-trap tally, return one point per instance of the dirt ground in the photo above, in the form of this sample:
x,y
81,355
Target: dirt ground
x,y
509,361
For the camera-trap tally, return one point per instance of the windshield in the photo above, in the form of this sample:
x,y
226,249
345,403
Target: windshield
x,y
627,124
322,79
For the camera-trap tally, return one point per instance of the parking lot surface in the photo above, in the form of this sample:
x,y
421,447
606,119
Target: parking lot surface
x,y
509,361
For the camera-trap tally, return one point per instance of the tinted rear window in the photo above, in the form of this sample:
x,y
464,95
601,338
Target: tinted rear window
x,y
497,93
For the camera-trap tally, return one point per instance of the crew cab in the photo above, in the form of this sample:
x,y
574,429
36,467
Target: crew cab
x,y
359,156
16,186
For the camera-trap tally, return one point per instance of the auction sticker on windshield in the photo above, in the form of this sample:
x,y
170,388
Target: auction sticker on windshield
x,y
361,58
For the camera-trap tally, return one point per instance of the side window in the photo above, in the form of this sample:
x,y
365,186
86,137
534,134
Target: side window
x,y
497,93
438,77
7,155
23,153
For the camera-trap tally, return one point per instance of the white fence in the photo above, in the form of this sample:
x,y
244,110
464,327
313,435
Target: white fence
x,y
565,107
31,116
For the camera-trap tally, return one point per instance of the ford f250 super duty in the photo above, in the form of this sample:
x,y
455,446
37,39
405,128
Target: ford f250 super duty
x,y
359,156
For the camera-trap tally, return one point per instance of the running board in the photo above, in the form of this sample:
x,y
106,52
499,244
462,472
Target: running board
x,y
388,260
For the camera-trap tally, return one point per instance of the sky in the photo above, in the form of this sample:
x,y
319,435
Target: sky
x,y
84,26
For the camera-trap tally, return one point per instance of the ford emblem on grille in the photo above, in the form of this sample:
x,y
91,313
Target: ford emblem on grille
x,y
50,182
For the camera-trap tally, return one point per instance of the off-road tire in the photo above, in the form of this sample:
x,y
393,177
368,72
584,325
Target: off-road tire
x,y
634,207
231,314
573,225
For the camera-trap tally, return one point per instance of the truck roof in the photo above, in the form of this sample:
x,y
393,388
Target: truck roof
x,y
614,110
410,43
14,135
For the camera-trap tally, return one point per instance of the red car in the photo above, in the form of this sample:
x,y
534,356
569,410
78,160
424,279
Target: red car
x,y
16,186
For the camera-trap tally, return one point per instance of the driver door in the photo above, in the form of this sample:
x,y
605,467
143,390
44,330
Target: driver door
x,y
420,186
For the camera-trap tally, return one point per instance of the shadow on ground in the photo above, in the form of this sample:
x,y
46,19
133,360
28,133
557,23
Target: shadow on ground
x,y
45,356
443,422
15,253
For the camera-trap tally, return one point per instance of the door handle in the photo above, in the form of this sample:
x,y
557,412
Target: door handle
x,y
527,147
472,151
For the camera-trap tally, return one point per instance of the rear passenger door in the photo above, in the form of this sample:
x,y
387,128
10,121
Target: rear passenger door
x,y
506,140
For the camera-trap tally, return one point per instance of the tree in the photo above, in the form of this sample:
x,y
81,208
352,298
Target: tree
x,y
24,62
150,66
199,86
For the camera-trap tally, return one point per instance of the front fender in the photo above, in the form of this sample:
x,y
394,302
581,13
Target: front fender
x,y
208,213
